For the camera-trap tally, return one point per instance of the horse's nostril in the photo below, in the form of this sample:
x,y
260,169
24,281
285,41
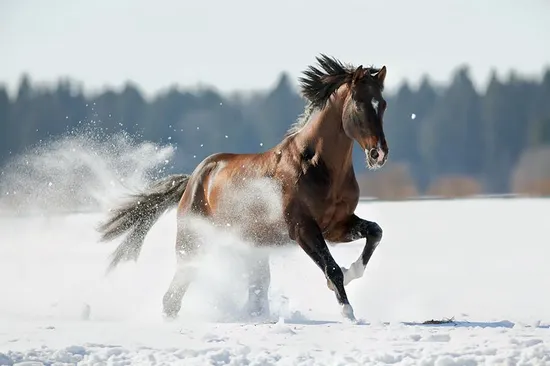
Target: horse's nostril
x,y
373,154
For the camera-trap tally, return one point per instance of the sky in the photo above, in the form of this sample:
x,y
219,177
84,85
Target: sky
x,y
246,44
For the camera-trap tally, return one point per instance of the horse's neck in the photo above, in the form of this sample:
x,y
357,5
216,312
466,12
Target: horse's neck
x,y
326,136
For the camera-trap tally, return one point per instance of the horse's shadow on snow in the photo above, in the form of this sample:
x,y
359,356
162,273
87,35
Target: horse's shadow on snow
x,y
473,324
449,324
292,321
298,318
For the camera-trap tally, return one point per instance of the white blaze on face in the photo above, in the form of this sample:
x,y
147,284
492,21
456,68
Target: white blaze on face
x,y
375,103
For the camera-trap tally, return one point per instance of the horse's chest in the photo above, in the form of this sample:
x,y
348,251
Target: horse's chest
x,y
315,180
329,196
334,210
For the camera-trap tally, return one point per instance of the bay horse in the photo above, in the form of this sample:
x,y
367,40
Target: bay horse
x,y
313,191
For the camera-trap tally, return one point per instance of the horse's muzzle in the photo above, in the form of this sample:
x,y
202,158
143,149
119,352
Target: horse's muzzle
x,y
376,157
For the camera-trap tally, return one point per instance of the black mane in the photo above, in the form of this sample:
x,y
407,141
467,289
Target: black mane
x,y
318,84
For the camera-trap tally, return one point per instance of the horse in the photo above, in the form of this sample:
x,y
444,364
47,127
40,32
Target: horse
x,y
313,191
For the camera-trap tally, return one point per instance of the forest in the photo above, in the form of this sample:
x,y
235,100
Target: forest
x,y
450,140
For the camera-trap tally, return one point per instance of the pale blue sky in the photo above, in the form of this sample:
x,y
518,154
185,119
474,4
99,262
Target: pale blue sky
x,y
245,44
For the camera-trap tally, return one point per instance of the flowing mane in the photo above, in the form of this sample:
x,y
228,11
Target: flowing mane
x,y
319,83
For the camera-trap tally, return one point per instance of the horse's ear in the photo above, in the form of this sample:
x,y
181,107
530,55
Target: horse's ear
x,y
380,76
357,75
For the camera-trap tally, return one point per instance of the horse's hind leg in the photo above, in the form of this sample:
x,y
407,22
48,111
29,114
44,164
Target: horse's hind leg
x,y
186,250
258,287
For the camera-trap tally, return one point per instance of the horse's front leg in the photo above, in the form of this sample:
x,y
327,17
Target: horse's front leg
x,y
305,231
351,229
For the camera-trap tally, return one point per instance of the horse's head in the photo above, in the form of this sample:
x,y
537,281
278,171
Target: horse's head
x,y
359,91
363,114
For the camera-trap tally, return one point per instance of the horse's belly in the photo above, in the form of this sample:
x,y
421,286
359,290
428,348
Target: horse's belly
x,y
255,208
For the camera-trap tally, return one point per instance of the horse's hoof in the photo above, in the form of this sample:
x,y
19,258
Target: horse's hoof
x,y
169,317
347,313
257,310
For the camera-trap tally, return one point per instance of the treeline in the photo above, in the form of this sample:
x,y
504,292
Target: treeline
x,y
452,136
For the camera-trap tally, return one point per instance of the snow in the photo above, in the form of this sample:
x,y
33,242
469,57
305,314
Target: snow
x,y
482,261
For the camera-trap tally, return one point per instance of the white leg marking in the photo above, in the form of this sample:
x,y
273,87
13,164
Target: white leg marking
x,y
355,271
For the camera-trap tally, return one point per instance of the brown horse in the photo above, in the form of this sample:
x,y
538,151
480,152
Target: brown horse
x,y
303,189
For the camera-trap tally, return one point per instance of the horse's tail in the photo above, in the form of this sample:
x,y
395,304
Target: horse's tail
x,y
139,214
